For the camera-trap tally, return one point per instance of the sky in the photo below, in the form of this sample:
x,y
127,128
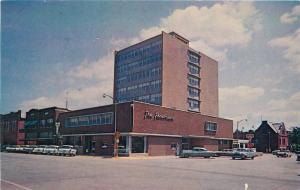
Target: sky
x,y
51,50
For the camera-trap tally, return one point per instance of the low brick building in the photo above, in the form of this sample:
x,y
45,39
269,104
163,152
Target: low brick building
x,y
12,128
144,128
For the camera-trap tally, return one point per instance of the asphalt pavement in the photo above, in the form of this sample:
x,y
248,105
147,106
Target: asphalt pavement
x,y
38,172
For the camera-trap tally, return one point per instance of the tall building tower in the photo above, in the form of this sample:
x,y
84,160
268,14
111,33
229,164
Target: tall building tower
x,y
165,71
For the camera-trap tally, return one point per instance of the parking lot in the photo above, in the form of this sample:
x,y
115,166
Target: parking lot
x,y
27,171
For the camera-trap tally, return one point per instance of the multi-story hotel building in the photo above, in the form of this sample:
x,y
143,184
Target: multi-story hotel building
x,y
165,71
165,97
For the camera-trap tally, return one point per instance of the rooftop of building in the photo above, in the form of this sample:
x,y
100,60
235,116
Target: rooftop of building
x,y
49,108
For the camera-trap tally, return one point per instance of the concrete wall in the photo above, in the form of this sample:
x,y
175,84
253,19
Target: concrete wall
x,y
209,95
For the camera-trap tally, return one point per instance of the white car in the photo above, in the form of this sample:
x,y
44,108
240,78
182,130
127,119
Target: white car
x,y
51,149
39,149
11,148
67,150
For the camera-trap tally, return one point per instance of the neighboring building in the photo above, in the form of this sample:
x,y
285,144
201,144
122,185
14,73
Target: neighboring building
x,y
165,71
271,136
12,128
144,128
243,139
243,134
40,125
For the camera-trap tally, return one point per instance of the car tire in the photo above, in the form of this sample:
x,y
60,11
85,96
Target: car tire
x,y
233,158
252,158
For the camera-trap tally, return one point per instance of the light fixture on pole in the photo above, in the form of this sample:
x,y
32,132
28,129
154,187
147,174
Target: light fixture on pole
x,y
116,141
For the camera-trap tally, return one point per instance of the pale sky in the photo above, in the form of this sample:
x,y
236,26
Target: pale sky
x,y
49,48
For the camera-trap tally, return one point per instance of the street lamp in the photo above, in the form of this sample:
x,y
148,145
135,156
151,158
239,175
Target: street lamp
x,y
237,125
115,122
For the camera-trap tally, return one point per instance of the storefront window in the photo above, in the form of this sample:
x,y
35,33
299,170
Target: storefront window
x,y
138,145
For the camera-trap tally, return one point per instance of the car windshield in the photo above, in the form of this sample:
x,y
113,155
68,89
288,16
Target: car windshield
x,y
199,149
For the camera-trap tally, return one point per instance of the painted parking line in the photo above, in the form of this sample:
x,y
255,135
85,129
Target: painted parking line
x,y
15,184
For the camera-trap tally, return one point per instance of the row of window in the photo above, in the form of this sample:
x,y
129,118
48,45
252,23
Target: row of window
x,y
210,126
140,88
154,46
140,63
8,124
33,135
223,142
43,122
152,98
89,120
45,113
139,76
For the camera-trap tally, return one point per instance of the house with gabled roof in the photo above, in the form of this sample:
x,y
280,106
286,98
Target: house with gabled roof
x,y
271,136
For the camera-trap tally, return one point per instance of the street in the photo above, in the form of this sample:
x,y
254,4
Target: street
x,y
27,171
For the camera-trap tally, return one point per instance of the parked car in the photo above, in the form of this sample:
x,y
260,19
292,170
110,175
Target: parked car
x,y
11,148
51,149
243,153
274,152
197,152
67,150
39,149
19,148
3,147
28,148
283,153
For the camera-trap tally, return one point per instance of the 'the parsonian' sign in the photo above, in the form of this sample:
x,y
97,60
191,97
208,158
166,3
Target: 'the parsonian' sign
x,y
157,116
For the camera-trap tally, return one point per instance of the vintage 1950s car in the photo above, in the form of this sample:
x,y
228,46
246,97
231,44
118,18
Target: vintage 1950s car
x,y
284,153
67,150
197,152
243,153
51,149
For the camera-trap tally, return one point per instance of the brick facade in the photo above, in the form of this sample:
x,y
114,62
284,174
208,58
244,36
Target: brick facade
x,y
12,125
163,129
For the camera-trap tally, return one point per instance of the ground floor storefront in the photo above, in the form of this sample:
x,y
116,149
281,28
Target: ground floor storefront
x,y
131,144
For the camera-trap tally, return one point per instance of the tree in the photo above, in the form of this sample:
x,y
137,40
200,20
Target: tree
x,y
294,139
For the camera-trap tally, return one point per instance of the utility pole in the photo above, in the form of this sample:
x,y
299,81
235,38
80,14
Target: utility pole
x,y
67,93
117,134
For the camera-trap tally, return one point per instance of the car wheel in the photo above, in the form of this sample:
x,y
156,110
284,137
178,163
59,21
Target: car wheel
x,y
252,158
233,158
